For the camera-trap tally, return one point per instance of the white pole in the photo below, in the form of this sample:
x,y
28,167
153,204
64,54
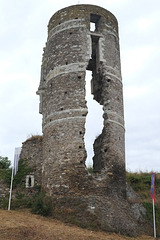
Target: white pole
x,y
10,192
154,219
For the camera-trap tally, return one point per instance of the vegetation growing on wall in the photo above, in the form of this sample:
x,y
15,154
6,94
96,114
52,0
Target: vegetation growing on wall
x,y
34,137
23,170
141,184
42,204
18,184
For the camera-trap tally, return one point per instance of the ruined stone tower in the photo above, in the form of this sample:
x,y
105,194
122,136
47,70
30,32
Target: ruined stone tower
x,y
71,49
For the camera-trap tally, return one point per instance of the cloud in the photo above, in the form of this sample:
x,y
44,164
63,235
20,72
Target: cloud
x,y
135,59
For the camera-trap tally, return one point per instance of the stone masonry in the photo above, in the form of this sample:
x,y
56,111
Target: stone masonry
x,y
32,153
71,49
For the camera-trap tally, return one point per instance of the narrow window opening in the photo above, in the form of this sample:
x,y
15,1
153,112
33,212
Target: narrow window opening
x,y
29,182
94,120
94,22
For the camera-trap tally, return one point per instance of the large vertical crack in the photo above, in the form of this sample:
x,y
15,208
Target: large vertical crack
x,y
94,120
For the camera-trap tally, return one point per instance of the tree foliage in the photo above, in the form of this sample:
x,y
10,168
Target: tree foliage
x,y
5,163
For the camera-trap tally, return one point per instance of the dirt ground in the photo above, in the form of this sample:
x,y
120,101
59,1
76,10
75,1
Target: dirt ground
x,y
22,225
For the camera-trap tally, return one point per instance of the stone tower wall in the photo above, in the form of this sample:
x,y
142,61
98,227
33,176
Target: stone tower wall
x,y
57,160
31,154
71,49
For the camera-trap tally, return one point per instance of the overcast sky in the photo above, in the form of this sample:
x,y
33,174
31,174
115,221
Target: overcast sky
x,y
23,33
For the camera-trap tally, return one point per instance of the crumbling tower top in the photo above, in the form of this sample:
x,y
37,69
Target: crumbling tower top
x,y
88,12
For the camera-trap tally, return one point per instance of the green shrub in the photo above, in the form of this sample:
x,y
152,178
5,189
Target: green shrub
x,y
42,205
90,169
19,195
